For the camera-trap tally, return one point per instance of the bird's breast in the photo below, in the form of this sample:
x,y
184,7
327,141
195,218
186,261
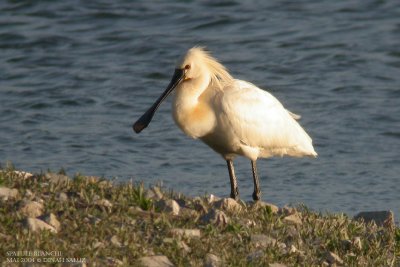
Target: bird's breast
x,y
194,120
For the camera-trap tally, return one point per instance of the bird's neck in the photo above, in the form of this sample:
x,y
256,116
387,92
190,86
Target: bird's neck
x,y
192,107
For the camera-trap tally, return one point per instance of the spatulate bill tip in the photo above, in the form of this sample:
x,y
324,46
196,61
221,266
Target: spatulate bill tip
x,y
138,127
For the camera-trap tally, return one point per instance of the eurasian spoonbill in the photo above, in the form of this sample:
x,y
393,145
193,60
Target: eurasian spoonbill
x,y
233,117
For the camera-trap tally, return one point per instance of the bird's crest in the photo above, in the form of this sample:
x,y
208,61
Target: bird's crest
x,y
219,74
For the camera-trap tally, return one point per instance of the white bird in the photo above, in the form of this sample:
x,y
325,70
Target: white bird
x,y
233,117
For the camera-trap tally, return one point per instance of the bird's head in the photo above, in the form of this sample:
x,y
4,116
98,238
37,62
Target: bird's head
x,y
196,64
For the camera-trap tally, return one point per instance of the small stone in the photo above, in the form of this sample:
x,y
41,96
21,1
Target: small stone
x,y
31,209
212,260
228,204
36,225
356,242
63,197
52,220
97,244
57,178
23,175
135,209
277,265
186,232
154,193
293,219
182,245
29,194
261,204
211,199
260,240
332,258
115,241
293,250
7,193
169,205
105,183
247,222
103,203
199,205
158,192
113,262
254,256
188,212
155,261
92,179
92,219
216,217
381,218
287,211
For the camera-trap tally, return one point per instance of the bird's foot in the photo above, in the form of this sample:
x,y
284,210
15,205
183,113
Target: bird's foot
x,y
235,194
256,195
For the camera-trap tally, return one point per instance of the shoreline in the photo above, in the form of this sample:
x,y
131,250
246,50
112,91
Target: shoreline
x,y
90,221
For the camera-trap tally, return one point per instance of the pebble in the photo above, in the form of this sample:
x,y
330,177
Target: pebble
x,y
154,193
115,241
182,245
7,193
216,217
332,258
63,197
356,242
155,261
57,178
211,199
169,205
114,262
212,260
261,240
287,211
97,244
199,205
52,220
277,265
381,218
262,204
31,208
188,212
29,194
104,203
36,225
293,219
186,232
254,256
23,175
228,204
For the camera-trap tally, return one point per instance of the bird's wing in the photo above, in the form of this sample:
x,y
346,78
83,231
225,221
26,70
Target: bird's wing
x,y
258,119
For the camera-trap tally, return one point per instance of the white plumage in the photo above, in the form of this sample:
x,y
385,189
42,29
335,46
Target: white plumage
x,y
231,116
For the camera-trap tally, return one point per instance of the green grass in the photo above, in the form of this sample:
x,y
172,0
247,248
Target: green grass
x,y
87,229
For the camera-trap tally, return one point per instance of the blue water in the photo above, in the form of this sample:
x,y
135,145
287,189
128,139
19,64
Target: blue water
x,y
75,75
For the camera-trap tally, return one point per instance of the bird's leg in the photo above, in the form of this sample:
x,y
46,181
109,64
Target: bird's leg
x,y
232,177
257,191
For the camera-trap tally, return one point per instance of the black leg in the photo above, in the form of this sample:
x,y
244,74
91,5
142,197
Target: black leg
x,y
232,177
257,191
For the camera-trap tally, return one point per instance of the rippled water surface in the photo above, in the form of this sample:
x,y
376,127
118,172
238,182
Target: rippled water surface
x,y
75,75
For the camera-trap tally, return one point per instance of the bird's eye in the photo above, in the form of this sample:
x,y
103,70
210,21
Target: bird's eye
x,y
187,67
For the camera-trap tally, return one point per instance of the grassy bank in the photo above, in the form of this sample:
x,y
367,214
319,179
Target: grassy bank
x,y
106,224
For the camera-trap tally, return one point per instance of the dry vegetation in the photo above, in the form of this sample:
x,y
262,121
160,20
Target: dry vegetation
x,y
111,224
